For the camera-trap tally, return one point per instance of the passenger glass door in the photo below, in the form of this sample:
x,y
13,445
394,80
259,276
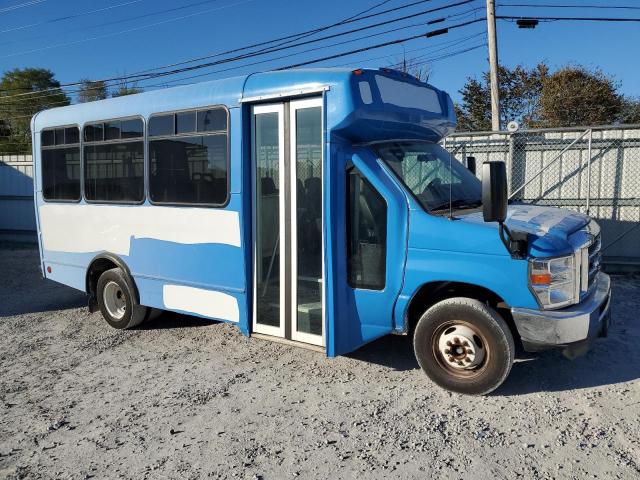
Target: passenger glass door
x,y
268,221
306,207
288,220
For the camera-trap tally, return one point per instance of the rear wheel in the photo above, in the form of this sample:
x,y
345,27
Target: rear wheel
x,y
117,301
464,346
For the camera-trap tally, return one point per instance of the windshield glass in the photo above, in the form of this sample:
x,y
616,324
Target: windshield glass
x,y
424,169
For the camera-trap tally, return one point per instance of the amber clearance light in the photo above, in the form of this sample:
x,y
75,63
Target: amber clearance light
x,y
540,278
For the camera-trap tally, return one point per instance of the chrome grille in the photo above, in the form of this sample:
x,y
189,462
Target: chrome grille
x,y
595,258
587,258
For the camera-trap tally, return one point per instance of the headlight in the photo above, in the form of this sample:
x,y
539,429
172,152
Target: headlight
x,y
553,281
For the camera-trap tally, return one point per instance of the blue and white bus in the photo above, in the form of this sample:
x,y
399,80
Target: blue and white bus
x,y
313,207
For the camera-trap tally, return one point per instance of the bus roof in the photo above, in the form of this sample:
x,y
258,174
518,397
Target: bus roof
x,y
345,88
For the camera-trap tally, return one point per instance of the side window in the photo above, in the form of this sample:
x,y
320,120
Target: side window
x,y
60,161
114,161
366,233
188,157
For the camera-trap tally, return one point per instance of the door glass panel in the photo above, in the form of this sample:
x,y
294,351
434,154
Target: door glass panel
x,y
366,234
267,160
308,187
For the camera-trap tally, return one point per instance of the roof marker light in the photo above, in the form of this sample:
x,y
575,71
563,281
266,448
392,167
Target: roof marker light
x,y
357,71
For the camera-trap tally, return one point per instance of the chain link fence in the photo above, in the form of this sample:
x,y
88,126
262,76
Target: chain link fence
x,y
594,170
591,170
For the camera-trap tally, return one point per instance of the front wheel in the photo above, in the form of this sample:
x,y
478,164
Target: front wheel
x,y
464,346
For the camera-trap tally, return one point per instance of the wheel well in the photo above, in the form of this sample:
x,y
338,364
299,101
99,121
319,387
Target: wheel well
x,y
101,264
431,293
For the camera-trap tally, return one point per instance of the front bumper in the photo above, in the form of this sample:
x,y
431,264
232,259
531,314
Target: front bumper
x,y
572,327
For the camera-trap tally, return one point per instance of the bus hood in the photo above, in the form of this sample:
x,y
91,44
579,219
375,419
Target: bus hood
x,y
548,228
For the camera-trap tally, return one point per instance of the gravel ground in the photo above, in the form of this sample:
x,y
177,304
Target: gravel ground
x,y
186,398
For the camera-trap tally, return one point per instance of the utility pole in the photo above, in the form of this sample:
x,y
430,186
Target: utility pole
x,y
493,65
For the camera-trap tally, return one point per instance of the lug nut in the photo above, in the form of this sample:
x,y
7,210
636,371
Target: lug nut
x,y
451,359
468,360
448,343
447,352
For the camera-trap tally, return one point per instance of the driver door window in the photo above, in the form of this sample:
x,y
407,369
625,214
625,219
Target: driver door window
x,y
366,233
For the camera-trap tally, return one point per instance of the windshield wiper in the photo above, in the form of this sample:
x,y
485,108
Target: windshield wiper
x,y
458,204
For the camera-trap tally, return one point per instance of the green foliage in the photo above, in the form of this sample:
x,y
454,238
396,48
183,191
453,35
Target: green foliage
x,y
575,96
571,96
125,90
520,90
629,111
18,105
91,91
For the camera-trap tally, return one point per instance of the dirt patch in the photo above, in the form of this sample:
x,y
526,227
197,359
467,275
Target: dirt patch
x,y
188,398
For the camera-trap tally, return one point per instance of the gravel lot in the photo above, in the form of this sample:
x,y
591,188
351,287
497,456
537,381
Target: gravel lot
x,y
186,398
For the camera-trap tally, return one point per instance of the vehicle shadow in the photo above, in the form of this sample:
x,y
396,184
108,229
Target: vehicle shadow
x,y
547,371
392,351
39,301
171,320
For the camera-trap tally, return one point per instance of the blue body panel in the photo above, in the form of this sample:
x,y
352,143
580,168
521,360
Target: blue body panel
x,y
421,248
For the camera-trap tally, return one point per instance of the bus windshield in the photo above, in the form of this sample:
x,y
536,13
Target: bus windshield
x,y
432,174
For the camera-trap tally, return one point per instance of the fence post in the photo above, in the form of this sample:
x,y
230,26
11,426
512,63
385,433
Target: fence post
x,y
589,170
512,165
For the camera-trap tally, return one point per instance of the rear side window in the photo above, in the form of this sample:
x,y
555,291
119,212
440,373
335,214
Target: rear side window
x,y
60,162
366,233
114,161
189,157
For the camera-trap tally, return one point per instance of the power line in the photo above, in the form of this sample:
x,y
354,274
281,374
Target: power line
x,y
352,18
551,5
448,44
429,34
21,5
140,77
121,32
295,35
268,60
68,17
283,56
140,73
576,19
271,50
431,59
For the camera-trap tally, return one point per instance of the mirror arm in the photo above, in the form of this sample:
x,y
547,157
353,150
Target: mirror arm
x,y
516,244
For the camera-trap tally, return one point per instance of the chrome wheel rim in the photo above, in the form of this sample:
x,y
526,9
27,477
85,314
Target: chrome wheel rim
x,y
114,300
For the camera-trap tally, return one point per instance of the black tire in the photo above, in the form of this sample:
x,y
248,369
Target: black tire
x,y
494,341
130,314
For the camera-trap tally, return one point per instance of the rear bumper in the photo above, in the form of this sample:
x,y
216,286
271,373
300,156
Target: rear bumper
x,y
572,327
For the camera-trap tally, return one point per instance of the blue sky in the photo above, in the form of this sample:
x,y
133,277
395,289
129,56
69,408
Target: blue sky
x,y
112,43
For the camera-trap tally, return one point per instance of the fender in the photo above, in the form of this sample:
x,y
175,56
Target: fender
x,y
116,260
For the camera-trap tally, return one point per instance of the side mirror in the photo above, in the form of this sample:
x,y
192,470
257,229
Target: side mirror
x,y
494,191
471,164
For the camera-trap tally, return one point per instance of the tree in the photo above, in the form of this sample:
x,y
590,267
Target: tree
x,y
414,68
91,91
18,104
475,111
124,88
630,111
520,89
575,96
